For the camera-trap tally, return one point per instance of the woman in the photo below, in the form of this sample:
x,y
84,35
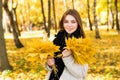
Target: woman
x,y
71,26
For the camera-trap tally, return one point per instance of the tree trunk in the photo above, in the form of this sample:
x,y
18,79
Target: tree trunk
x,y
49,17
90,24
73,4
15,21
112,14
97,36
107,15
54,14
12,24
44,18
112,20
4,63
117,21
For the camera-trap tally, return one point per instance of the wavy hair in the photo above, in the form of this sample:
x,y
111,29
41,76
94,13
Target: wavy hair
x,y
76,15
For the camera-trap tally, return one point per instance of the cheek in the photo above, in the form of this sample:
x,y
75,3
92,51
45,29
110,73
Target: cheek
x,y
75,27
65,24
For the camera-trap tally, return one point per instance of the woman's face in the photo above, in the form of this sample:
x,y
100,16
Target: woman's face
x,y
70,24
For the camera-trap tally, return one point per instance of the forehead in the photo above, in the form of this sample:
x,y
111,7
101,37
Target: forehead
x,y
69,17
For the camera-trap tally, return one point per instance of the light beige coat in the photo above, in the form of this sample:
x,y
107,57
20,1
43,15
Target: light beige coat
x,y
72,71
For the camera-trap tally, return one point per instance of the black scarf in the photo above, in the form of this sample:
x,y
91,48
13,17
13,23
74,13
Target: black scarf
x,y
60,41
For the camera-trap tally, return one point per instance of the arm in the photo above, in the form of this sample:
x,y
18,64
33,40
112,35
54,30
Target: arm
x,y
75,69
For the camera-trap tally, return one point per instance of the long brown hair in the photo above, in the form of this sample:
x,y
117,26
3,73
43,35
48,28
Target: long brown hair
x,y
76,15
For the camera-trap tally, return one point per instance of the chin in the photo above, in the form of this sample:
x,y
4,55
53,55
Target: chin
x,y
69,33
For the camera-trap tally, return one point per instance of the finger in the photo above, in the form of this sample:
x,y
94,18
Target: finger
x,y
49,57
65,48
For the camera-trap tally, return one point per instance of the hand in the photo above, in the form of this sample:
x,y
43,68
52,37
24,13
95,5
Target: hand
x,y
66,52
50,61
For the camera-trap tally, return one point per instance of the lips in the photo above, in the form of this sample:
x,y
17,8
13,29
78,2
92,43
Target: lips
x,y
69,29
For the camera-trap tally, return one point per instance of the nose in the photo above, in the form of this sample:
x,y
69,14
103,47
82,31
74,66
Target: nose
x,y
69,24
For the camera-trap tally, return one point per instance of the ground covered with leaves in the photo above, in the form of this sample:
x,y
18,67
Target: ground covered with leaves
x,y
28,62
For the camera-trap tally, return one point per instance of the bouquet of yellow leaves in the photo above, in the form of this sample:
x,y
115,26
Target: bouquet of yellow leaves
x,y
49,48
82,50
45,48
41,46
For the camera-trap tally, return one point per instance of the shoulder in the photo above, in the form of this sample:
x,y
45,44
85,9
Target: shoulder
x,y
60,33
59,38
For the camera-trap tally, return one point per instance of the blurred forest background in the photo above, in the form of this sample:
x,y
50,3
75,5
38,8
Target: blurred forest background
x,y
25,23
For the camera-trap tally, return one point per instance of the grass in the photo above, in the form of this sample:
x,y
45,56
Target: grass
x,y
106,66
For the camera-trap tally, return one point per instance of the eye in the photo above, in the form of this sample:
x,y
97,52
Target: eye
x,y
66,21
73,21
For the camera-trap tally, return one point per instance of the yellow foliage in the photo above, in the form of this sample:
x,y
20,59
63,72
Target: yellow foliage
x,y
41,46
82,50
107,58
32,57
